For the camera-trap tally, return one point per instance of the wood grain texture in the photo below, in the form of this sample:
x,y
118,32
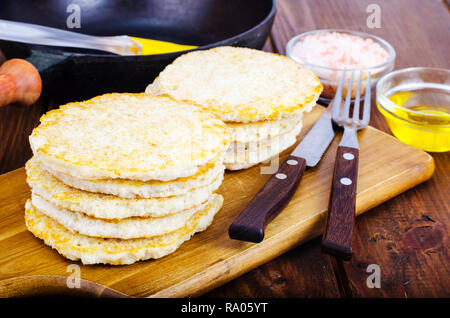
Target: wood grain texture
x,y
338,233
54,286
418,30
16,124
301,272
210,258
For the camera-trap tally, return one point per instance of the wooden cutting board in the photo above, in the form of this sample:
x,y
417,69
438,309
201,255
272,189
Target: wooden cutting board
x,y
28,267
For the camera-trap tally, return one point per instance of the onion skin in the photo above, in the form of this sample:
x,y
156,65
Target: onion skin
x,y
20,82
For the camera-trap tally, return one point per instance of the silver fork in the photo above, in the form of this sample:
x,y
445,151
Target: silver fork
x,y
338,234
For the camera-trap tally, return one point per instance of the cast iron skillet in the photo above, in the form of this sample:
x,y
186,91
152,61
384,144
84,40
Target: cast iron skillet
x,y
76,74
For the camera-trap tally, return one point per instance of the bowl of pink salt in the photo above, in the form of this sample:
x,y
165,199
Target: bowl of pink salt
x,y
328,52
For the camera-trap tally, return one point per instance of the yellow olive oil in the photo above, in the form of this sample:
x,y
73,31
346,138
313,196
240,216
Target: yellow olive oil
x,y
159,47
423,118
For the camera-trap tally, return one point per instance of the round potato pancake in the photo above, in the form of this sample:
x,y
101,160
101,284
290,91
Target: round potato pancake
x,y
92,250
239,84
128,136
106,206
126,188
245,155
129,228
262,130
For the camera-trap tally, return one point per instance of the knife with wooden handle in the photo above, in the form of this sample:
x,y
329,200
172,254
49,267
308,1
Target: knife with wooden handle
x,y
281,186
43,35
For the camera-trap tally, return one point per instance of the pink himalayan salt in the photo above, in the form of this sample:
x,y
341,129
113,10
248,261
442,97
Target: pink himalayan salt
x,y
340,50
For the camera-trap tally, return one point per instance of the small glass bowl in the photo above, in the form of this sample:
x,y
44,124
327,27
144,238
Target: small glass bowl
x,y
329,77
416,105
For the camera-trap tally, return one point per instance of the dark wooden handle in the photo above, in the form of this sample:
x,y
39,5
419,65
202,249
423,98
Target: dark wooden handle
x,y
19,82
338,234
268,202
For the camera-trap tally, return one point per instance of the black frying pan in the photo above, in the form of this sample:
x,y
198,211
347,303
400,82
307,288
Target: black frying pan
x,y
76,74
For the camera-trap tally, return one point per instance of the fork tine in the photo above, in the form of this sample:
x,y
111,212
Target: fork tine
x,y
357,100
338,97
366,108
348,98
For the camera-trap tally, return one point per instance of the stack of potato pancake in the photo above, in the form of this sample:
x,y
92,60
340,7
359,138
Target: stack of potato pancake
x,y
261,97
124,177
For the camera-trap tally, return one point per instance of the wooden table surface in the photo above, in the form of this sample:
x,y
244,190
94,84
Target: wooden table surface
x,y
407,237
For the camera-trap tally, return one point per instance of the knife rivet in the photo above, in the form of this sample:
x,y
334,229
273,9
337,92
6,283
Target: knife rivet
x,y
292,162
345,181
348,156
280,176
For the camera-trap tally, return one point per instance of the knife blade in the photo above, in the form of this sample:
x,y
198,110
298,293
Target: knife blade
x,y
281,186
316,142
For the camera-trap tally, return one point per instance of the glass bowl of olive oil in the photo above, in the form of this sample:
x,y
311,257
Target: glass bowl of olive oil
x,y
416,105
